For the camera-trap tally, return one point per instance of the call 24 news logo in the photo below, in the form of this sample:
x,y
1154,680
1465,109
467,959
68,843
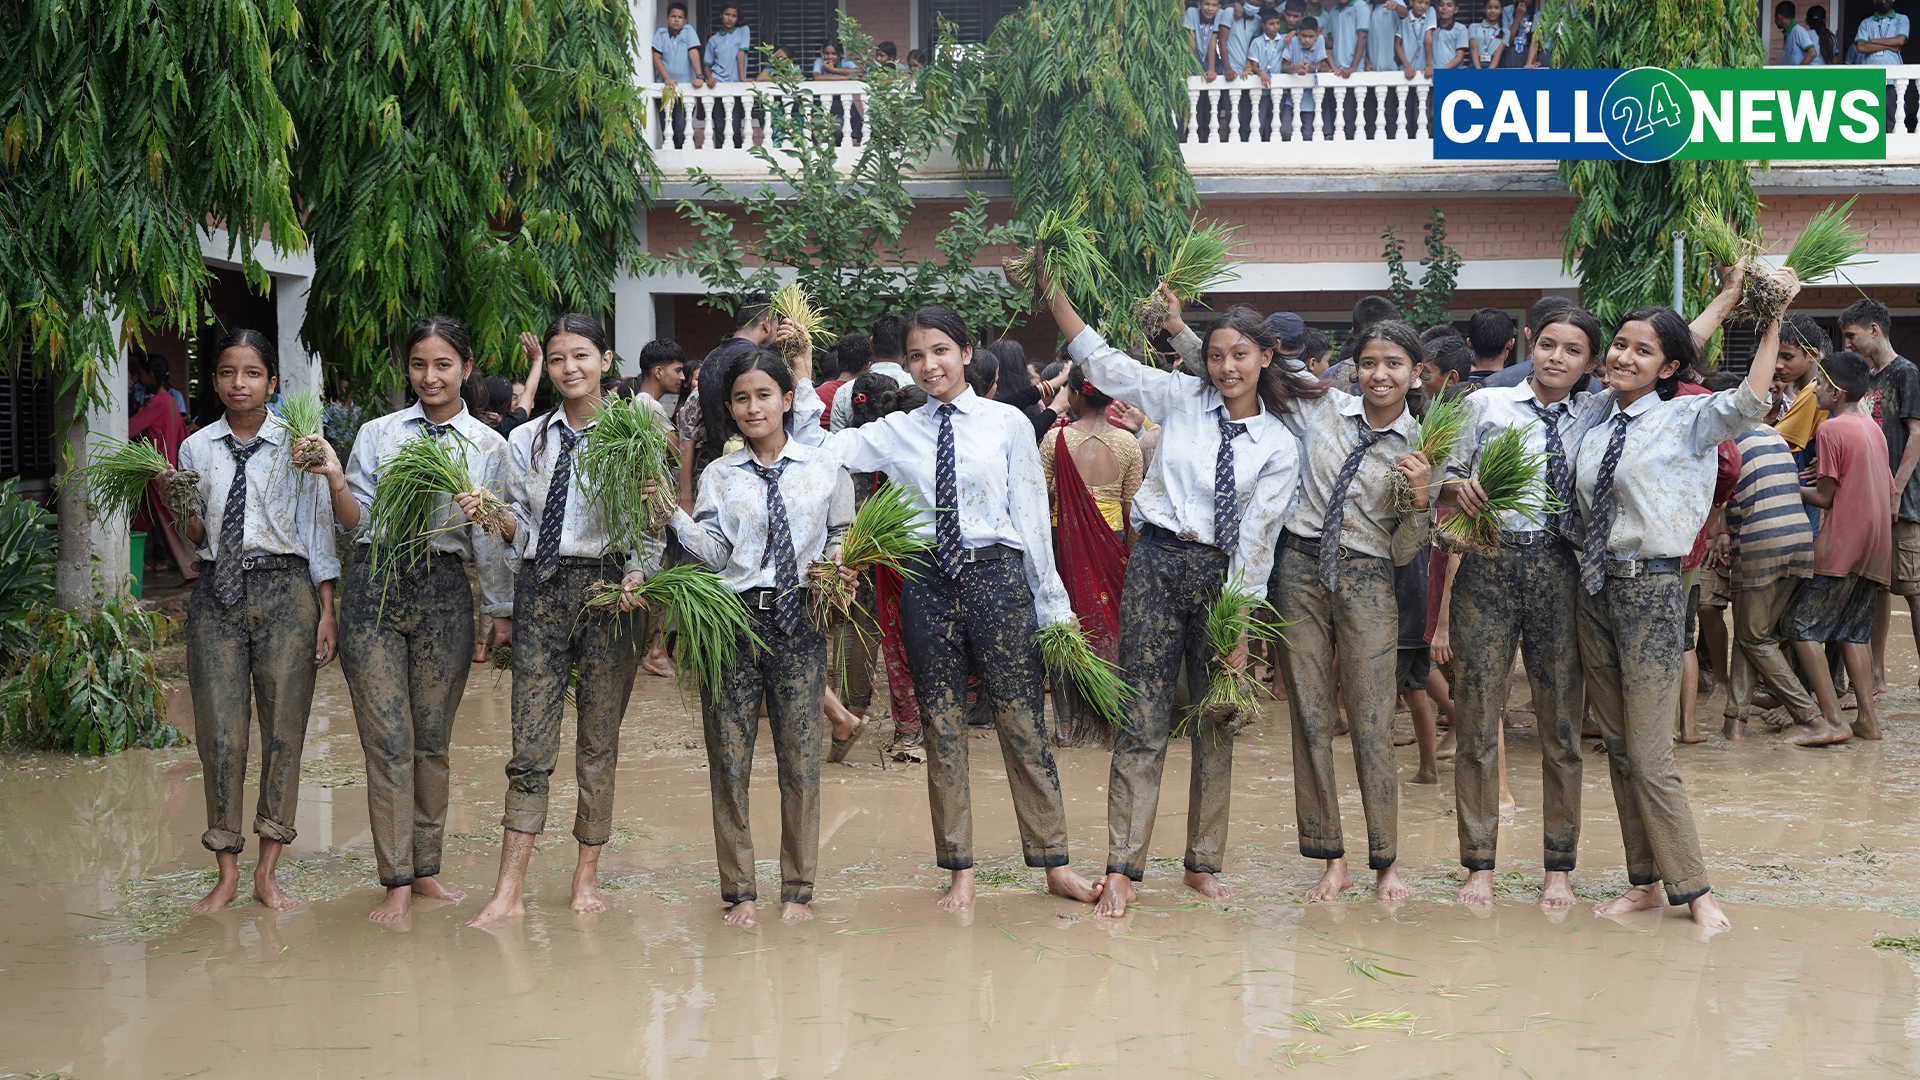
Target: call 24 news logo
x,y
1652,114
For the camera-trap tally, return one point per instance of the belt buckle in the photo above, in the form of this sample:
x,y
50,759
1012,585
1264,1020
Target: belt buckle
x,y
246,562
1625,568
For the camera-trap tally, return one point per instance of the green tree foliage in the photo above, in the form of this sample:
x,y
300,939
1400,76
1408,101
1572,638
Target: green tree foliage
x,y
90,685
1082,98
27,543
478,159
125,127
837,217
1620,237
1431,301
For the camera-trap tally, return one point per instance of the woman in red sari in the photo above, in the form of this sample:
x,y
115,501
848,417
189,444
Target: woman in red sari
x,y
160,423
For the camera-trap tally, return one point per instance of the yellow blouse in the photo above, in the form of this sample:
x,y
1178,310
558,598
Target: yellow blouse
x,y
1110,498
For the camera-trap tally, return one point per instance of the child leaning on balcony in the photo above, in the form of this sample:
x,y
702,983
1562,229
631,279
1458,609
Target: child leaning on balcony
x,y
1305,54
1487,39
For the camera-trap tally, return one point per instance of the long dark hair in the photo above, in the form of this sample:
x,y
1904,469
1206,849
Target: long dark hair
x,y
765,360
1676,344
1817,22
876,395
1279,386
453,332
1398,333
573,322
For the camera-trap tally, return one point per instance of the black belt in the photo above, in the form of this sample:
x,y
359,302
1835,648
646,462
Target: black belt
x,y
589,562
765,599
1311,548
1527,538
1161,532
260,562
1633,568
366,552
992,553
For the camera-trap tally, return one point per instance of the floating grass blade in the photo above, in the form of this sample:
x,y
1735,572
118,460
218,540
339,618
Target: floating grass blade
x,y
627,448
790,304
711,618
1069,655
1440,433
1511,478
1232,697
117,476
881,534
1201,263
300,416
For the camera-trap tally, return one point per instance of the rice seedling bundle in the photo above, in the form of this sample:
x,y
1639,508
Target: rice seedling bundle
x,y
117,475
1069,655
626,450
1201,264
710,615
1440,433
791,305
300,416
881,534
1066,251
407,510
1232,699
1510,476
1828,244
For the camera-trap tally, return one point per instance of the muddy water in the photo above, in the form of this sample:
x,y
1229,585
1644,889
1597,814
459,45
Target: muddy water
x,y
103,975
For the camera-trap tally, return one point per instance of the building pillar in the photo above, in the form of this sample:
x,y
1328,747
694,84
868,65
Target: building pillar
x,y
94,550
299,369
633,315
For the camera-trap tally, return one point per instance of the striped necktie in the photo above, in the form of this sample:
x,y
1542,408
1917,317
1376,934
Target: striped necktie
x,y
786,569
947,547
1337,505
1593,557
546,553
228,581
1559,477
1226,497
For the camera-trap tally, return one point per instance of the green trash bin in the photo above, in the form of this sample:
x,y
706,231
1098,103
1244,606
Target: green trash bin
x,y
139,562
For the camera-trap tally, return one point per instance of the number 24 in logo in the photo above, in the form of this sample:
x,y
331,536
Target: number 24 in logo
x,y
1641,117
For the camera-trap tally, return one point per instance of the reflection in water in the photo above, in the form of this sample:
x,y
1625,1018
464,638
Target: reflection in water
x,y
1811,851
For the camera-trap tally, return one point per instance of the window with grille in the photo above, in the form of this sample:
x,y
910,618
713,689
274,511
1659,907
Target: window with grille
x,y
803,26
26,427
973,20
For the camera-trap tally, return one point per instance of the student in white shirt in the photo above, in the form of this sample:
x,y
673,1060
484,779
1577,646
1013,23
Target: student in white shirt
x,y
1209,25
1410,45
979,599
1264,61
260,621
1304,54
1208,513
1798,45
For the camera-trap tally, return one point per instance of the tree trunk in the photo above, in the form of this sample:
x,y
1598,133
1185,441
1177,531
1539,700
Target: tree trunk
x,y
73,573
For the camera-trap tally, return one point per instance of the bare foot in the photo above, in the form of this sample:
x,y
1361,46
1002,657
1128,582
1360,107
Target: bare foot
x,y
1428,774
1403,740
661,665
960,894
505,904
394,907
1333,881
586,882
1208,885
1638,898
796,913
1867,726
1706,913
1478,889
1819,732
1559,890
1062,882
220,895
431,888
740,914
1447,747
267,891
1734,729
1116,894
1849,701
479,652
1388,886
1689,736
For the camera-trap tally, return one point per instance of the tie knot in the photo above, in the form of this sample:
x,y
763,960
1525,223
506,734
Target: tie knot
x,y
1230,430
1620,422
434,431
948,408
242,453
568,437
769,473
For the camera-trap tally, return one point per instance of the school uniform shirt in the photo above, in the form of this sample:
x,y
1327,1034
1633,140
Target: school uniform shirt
x,y
1342,26
1798,40
583,532
288,512
1663,482
1244,27
1001,487
727,530
1519,33
1413,38
1483,39
723,53
1267,54
1369,526
1772,537
673,51
1494,409
1855,535
1177,494
1202,31
1294,54
1873,28
487,467
1448,40
1383,28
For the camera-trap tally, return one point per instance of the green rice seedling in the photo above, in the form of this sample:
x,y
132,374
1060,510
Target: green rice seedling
x,y
790,304
118,474
627,449
1828,244
881,534
407,508
1440,433
1233,695
1065,251
300,416
1510,476
1201,263
710,615
1069,655
1711,232
1390,1020
1901,944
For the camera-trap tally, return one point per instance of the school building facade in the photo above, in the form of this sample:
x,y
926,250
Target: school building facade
x,y
1311,213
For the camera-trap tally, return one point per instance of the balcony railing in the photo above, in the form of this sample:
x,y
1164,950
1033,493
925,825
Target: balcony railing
x,y
1323,121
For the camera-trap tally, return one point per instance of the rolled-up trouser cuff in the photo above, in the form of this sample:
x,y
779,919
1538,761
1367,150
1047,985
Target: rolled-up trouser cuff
x,y
1642,877
1201,868
954,862
1381,862
1475,863
1556,862
732,898
796,896
1311,850
524,817
1687,892
1132,873
590,832
268,829
1046,861
222,840
399,882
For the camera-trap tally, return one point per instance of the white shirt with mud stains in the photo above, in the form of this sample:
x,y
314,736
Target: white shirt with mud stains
x,y
1495,409
1370,525
728,528
1177,494
1002,488
486,456
289,511
583,532
1663,485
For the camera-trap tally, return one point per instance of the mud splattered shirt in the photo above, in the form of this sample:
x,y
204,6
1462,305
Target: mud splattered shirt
x,y
288,512
1494,409
728,527
583,534
1370,525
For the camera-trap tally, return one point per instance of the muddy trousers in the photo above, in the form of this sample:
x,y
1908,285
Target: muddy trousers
x,y
1756,612
984,617
406,661
257,653
1169,588
1521,597
553,637
856,643
1361,623
791,672
1630,646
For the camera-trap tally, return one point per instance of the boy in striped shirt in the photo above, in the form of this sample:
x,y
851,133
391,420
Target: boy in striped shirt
x,y
1769,549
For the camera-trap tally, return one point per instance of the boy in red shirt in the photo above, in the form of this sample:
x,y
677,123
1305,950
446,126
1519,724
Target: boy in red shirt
x,y
1853,555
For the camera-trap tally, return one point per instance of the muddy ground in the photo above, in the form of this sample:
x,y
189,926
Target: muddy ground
x,y
104,974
